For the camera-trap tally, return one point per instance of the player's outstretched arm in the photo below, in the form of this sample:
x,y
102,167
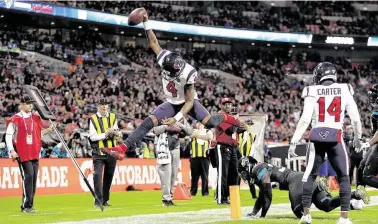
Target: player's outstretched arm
x,y
258,203
189,99
151,37
305,120
266,194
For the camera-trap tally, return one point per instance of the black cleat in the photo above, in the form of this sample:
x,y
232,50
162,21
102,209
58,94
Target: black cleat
x,y
224,202
106,204
167,203
28,210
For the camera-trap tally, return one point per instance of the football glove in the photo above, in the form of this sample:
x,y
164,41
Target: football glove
x,y
357,144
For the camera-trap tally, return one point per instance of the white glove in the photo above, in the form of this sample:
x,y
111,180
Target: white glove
x,y
291,152
2,145
357,144
364,146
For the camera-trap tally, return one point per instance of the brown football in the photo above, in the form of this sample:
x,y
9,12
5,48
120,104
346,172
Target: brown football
x,y
136,16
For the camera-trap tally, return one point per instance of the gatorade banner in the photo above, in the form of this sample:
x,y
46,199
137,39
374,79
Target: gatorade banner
x,y
60,176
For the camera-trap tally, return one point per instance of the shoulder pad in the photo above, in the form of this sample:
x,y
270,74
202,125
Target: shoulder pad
x,y
308,91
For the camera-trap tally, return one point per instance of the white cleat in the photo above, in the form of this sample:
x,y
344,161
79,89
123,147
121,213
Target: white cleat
x,y
306,219
362,193
344,221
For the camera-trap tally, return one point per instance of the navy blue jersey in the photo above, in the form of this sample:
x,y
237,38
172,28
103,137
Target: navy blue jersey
x,y
277,174
374,122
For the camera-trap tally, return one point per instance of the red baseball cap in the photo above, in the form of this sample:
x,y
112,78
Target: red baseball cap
x,y
226,100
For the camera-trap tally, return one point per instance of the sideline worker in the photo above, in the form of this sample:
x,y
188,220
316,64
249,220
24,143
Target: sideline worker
x,y
103,133
25,132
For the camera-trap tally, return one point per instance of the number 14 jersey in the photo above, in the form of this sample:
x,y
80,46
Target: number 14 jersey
x,y
330,103
174,89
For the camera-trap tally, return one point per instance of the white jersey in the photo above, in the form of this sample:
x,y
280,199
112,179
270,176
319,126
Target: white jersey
x,y
325,106
174,89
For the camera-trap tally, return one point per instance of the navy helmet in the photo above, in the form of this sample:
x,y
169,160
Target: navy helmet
x,y
324,71
173,64
373,95
245,166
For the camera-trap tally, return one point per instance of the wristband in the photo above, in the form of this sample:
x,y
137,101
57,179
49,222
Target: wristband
x,y
178,116
147,25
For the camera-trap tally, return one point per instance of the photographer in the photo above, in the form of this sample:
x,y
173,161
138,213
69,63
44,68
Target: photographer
x,y
80,146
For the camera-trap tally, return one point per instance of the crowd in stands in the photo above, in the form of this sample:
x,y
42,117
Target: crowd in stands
x,y
72,97
301,16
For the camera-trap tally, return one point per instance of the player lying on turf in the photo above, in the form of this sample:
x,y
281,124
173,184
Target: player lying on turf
x,y
262,174
178,79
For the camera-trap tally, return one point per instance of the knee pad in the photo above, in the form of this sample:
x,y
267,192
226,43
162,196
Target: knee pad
x,y
367,179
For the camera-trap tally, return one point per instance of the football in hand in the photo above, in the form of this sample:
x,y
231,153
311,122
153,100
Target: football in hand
x,y
136,16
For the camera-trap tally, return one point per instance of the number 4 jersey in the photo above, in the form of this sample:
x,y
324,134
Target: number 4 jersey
x,y
174,89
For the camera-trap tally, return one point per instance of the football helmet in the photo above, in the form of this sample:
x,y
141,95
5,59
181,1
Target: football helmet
x,y
373,95
234,110
249,121
324,71
173,64
245,166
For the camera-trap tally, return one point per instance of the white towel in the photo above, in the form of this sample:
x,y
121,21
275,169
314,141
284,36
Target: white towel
x,y
163,154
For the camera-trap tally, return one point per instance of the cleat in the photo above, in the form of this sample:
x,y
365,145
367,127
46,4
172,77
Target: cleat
x,y
323,182
28,210
344,221
362,193
306,219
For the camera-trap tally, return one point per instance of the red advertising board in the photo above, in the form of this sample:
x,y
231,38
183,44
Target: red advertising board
x,y
60,176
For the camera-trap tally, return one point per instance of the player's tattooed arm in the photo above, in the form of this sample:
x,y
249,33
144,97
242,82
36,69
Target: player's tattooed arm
x,y
151,37
189,99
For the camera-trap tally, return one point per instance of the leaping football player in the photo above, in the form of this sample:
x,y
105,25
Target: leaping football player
x,y
178,78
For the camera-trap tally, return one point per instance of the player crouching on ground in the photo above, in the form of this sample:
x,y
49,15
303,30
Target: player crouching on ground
x,y
262,174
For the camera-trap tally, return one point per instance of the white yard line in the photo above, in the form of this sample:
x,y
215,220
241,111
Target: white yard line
x,y
193,217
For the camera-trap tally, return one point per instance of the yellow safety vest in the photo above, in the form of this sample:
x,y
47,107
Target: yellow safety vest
x,y
245,149
102,125
199,150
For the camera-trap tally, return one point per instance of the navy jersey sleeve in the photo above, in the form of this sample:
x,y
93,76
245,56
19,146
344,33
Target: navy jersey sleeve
x,y
374,122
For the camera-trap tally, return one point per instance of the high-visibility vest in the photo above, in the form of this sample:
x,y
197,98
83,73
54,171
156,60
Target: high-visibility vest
x,y
245,142
198,149
102,125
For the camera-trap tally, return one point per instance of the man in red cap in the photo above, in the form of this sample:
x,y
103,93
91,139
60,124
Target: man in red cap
x,y
226,154
25,132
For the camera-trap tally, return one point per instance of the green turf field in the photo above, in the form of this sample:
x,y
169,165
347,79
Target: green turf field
x,y
59,208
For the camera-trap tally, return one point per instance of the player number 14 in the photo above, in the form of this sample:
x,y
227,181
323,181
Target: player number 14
x,y
334,108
